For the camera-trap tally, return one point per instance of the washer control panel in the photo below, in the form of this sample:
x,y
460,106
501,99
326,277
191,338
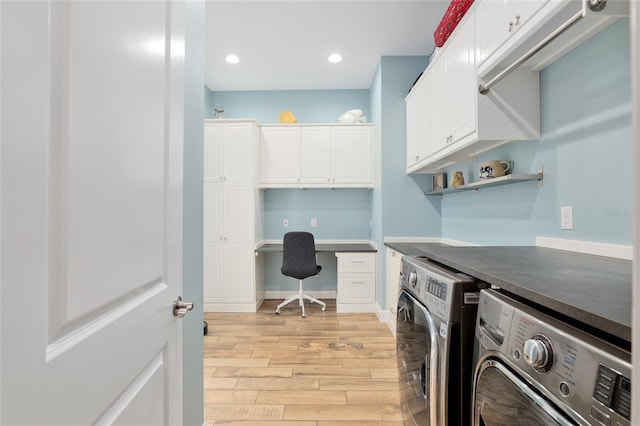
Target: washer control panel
x,y
436,286
568,366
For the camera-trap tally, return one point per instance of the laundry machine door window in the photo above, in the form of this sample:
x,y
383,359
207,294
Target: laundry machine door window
x,y
417,348
503,399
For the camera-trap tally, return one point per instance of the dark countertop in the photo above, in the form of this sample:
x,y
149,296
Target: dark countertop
x,y
594,290
321,247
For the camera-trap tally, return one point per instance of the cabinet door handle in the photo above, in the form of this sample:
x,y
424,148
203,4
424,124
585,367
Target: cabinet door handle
x,y
357,282
417,157
517,20
509,27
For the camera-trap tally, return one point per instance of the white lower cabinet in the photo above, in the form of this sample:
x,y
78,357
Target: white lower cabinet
x,y
394,266
356,282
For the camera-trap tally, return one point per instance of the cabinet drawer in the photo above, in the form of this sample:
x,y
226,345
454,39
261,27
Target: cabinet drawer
x,y
356,288
356,262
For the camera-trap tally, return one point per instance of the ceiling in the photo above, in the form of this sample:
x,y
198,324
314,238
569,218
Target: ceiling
x,y
284,45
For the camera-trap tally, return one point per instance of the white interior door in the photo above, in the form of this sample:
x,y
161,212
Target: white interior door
x,y
91,212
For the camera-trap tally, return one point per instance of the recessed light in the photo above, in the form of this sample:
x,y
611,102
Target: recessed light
x,y
232,59
334,58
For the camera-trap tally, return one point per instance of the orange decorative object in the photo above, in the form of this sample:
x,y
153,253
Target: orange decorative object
x,y
287,117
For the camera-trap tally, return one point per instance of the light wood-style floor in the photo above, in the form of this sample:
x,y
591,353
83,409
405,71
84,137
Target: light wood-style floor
x,y
327,369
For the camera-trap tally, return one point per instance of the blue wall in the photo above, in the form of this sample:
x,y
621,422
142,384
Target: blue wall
x,y
585,149
400,208
308,106
341,213
193,391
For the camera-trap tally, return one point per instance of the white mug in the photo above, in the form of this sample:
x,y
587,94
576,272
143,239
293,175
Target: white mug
x,y
494,168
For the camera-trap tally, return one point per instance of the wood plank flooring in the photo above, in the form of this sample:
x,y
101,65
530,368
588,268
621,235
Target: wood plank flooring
x,y
328,369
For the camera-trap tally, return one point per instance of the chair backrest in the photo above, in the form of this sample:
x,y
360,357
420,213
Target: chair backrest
x,y
299,255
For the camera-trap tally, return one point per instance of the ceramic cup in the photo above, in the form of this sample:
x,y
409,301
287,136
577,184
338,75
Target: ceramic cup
x,y
494,168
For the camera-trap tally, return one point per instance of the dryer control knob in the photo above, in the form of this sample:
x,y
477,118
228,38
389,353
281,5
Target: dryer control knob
x,y
413,279
538,354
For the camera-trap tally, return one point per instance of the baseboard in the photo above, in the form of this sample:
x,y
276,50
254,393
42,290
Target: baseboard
x,y
278,294
416,240
231,307
343,308
457,243
428,240
618,251
386,317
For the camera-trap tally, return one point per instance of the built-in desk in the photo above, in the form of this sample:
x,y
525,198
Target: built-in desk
x,y
356,280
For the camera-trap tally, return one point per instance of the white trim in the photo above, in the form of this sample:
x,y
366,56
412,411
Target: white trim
x,y
588,247
428,240
230,307
386,317
417,240
457,243
279,294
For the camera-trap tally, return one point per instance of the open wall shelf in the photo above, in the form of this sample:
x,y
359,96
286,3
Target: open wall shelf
x,y
487,183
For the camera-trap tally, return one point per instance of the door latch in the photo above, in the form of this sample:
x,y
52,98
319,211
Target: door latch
x,y
180,308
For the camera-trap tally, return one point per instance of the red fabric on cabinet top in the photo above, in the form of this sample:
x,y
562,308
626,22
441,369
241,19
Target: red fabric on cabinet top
x,y
452,16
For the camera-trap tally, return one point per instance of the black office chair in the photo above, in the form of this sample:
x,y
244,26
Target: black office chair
x,y
299,261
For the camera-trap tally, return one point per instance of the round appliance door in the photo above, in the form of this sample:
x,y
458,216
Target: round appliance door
x,y
417,350
501,398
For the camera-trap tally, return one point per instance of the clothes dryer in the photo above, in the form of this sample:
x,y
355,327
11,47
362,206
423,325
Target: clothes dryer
x,y
436,316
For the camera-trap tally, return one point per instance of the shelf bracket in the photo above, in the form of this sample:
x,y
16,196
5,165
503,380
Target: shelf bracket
x,y
540,179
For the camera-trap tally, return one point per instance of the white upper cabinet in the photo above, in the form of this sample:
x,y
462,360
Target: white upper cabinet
x,y
316,156
507,30
501,44
453,105
449,121
228,148
419,121
351,156
280,155
497,20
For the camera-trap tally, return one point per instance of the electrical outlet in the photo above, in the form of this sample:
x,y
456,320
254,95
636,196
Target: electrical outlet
x,y
314,222
566,217
285,223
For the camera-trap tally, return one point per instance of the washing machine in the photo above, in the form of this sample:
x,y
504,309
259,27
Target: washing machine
x,y
534,369
436,317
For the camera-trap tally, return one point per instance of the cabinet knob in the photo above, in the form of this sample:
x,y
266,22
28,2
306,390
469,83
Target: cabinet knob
x,y
509,27
417,157
517,20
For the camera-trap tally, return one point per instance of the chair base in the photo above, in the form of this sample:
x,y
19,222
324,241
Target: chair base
x,y
300,298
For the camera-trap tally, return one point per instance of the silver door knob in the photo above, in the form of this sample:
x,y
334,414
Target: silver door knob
x,y
180,308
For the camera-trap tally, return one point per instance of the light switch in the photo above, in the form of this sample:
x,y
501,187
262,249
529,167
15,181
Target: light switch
x,y
314,222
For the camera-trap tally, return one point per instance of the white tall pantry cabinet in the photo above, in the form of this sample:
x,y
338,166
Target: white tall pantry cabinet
x,y
230,198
